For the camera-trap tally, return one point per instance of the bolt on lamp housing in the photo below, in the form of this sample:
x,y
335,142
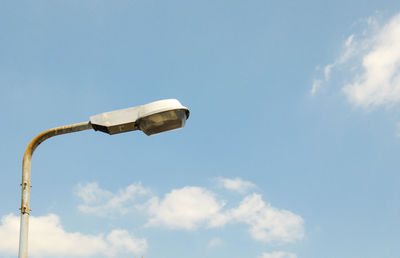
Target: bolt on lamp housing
x,y
152,118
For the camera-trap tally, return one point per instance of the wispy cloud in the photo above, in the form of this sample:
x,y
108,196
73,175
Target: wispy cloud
x,y
105,203
315,86
371,63
47,238
215,242
193,207
349,50
279,254
235,184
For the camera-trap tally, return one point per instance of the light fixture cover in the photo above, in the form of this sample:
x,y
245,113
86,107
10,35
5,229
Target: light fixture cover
x,y
162,122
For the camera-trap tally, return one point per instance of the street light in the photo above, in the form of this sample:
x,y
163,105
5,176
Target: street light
x,y
152,118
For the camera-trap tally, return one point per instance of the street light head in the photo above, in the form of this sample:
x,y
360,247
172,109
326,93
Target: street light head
x,y
152,118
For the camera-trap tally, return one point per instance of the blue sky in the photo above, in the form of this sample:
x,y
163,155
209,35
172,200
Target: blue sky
x,y
291,149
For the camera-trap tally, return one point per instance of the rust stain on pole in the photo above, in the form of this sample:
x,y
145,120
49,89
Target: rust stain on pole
x,y
26,177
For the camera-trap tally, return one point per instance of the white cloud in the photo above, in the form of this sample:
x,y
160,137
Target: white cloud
x,y
316,86
191,207
185,208
104,203
349,41
278,255
350,49
378,84
215,242
267,223
120,241
48,238
327,71
235,184
371,63
372,21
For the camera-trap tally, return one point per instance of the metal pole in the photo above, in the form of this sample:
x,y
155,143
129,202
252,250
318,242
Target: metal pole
x,y
26,178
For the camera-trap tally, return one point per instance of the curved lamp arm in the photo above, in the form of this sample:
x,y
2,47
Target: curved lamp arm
x,y
152,118
26,177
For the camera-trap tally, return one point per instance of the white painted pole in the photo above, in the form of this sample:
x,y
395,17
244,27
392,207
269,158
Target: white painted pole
x,y
23,236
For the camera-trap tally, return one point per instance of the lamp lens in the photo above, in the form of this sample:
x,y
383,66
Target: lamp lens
x,y
164,121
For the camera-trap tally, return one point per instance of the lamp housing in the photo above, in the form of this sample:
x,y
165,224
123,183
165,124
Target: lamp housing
x,y
152,118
